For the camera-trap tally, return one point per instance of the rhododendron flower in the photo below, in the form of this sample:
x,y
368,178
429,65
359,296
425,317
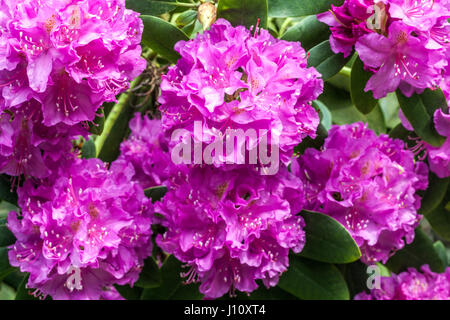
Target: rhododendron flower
x,y
81,230
147,149
438,157
411,285
25,143
368,184
231,78
70,55
232,227
347,24
402,61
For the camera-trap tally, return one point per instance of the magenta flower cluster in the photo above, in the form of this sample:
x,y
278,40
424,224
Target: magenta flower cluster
x,y
368,184
232,227
59,62
411,285
405,43
233,78
82,230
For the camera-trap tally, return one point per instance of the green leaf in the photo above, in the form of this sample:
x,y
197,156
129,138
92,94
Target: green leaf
x,y
325,60
364,101
88,150
419,110
23,293
99,123
171,286
326,119
327,240
435,194
355,275
5,268
128,292
5,190
155,193
439,218
6,292
389,106
298,8
441,250
151,7
6,236
309,32
150,276
313,280
343,111
243,12
186,18
416,254
161,36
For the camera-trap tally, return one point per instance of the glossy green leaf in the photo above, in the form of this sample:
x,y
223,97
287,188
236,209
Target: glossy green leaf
x,y
435,194
312,280
161,36
355,275
326,119
419,110
325,60
327,240
389,107
128,292
172,286
5,268
309,32
243,12
5,190
298,8
155,193
88,150
6,236
23,293
416,254
364,101
150,276
151,7
441,250
6,292
439,218
186,18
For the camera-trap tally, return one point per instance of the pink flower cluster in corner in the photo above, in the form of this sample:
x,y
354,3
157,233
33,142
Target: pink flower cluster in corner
x,y
368,184
82,230
59,62
405,43
411,285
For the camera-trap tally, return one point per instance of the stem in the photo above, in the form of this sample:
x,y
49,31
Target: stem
x,y
114,114
346,72
284,26
181,4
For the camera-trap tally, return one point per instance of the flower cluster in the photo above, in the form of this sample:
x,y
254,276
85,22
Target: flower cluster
x,y
232,227
438,157
229,78
368,184
411,285
403,42
65,58
82,230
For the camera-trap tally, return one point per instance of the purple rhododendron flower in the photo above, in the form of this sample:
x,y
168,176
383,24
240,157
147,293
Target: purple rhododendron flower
x,y
402,60
347,24
232,227
438,157
229,78
368,184
411,285
26,144
147,149
70,55
81,230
